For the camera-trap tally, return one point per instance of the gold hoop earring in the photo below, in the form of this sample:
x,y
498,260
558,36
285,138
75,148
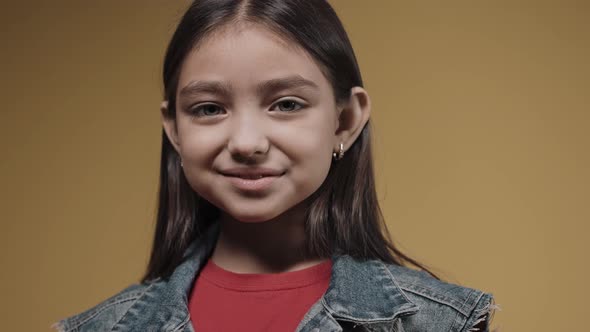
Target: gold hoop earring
x,y
340,152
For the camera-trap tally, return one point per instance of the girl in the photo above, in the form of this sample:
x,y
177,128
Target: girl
x,y
268,218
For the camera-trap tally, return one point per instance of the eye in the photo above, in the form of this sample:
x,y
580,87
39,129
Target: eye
x,y
207,110
288,105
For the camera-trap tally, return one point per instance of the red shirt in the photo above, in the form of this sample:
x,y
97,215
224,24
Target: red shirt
x,y
226,301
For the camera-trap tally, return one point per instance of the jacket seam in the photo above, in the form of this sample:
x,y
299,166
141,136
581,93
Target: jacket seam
x,y
78,323
477,297
460,321
462,311
134,301
183,324
133,297
388,271
483,300
376,320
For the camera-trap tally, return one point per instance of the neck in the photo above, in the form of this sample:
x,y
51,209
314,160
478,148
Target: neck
x,y
272,246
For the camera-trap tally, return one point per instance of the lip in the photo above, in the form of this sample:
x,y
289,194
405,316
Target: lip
x,y
252,179
252,185
251,172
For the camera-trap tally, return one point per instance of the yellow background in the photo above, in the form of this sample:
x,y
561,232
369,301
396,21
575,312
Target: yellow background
x,y
482,119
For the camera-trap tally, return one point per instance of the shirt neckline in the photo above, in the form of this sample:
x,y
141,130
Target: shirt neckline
x,y
255,282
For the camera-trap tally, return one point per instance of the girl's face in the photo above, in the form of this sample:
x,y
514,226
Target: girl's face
x,y
256,123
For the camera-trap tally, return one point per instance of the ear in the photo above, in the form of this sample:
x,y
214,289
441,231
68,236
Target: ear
x,y
169,124
352,118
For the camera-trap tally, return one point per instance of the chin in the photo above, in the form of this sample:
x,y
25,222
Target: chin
x,y
256,211
253,218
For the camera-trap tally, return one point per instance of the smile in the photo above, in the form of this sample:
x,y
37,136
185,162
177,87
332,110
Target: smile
x,y
252,179
257,183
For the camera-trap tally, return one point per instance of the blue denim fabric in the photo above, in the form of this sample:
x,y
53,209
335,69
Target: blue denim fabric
x,y
362,296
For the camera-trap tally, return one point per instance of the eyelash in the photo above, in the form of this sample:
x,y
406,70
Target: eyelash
x,y
197,111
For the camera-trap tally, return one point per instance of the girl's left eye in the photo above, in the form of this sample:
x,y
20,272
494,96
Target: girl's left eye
x,y
288,105
206,110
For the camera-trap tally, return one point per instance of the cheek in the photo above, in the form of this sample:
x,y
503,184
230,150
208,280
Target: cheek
x,y
199,147
309,146
316,137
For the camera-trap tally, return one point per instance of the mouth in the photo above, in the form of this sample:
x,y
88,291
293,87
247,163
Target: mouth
x,y
251,173
248,177
252,179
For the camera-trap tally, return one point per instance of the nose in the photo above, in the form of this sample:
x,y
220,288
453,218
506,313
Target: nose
x,y
247,141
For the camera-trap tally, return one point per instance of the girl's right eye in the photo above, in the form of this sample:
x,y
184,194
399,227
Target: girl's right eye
x,y
206,110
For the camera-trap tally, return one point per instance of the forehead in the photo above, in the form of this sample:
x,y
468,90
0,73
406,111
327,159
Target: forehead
x,y
246,55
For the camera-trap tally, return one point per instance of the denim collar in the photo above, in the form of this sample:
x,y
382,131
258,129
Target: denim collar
x,y
360,293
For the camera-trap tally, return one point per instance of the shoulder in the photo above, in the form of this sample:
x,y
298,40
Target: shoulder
x,y
104,315
442,306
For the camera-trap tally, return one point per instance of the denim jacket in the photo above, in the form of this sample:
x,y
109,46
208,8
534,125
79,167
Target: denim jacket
x,y
362,296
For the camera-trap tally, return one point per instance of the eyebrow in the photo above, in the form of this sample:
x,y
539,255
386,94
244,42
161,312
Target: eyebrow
x,y
212,87
289,82
270,87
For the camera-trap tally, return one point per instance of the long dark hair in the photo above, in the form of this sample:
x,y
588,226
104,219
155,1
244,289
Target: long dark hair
x,y
344,214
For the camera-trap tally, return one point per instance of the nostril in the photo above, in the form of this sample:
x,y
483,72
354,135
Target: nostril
x,y
244,146
245,159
